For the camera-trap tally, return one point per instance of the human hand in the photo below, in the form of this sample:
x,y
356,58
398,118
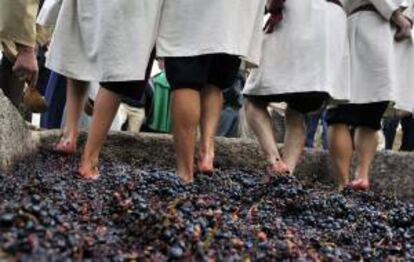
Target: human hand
x,y
25,66
403,24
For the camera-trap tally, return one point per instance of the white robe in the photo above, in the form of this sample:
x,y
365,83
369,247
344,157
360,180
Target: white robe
x,y
104,41
199,27
307,52
381,68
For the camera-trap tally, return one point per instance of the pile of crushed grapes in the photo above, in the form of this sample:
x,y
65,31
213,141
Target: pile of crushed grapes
x,y
136,212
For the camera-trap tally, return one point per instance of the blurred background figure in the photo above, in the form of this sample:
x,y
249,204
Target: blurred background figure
x,y
232,103
406,133
317,130
55,95
160,113
133,112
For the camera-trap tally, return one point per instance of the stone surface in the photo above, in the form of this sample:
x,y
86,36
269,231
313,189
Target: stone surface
x,y
392,172
15,138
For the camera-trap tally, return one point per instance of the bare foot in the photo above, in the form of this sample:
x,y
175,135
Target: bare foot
x,y
359,185
67,144
277,169
341,187
186,179
206,164
88,170
342,184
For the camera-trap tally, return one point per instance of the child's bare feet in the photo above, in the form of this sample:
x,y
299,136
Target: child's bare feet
x,y
279,168
206,164
88,170
359,184
186,179
67,144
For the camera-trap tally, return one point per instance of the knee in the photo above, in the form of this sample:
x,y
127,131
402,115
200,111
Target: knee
x,y
252,105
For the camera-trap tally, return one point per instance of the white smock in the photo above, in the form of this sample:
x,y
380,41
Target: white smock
x,y
200,27
104,41
307,52
382,69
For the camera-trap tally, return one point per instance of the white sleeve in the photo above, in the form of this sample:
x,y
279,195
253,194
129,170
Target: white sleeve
x,y
387,7
49,13
410,9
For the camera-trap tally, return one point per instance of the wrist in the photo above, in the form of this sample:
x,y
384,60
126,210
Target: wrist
x,y
25,49
276,7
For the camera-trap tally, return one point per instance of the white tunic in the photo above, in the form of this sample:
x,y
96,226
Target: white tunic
x,y
104,41
308,52
382,69
199,27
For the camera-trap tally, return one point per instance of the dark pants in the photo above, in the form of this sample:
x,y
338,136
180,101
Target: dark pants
x,y
55,95
390,130
229,123
312,124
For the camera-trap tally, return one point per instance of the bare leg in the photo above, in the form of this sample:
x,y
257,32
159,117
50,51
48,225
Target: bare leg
x,y
366,143
340,147
75,101
261,123
186,117
211,106
106,107
294,139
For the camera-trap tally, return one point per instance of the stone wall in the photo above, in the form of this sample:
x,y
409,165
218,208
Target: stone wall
x,y
15,138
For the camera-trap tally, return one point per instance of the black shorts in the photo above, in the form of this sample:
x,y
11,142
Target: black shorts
x,y
127,89
302,102
358,115
131,89
195,72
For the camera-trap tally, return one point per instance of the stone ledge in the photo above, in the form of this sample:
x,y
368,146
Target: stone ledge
x,y
392,172
15,138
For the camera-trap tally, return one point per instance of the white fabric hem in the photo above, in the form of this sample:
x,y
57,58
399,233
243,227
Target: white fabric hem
x,y
87,78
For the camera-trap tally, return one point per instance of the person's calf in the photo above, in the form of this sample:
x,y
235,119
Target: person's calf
x,y
186,116
67,143
295,138
341,150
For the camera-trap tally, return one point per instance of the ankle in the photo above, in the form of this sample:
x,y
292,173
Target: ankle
x,y
273,159
206,152
362,174
89,160
71,133
343,181
187,176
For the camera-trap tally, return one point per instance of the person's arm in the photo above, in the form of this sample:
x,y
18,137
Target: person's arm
x,y
392,11
26,67
18,26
